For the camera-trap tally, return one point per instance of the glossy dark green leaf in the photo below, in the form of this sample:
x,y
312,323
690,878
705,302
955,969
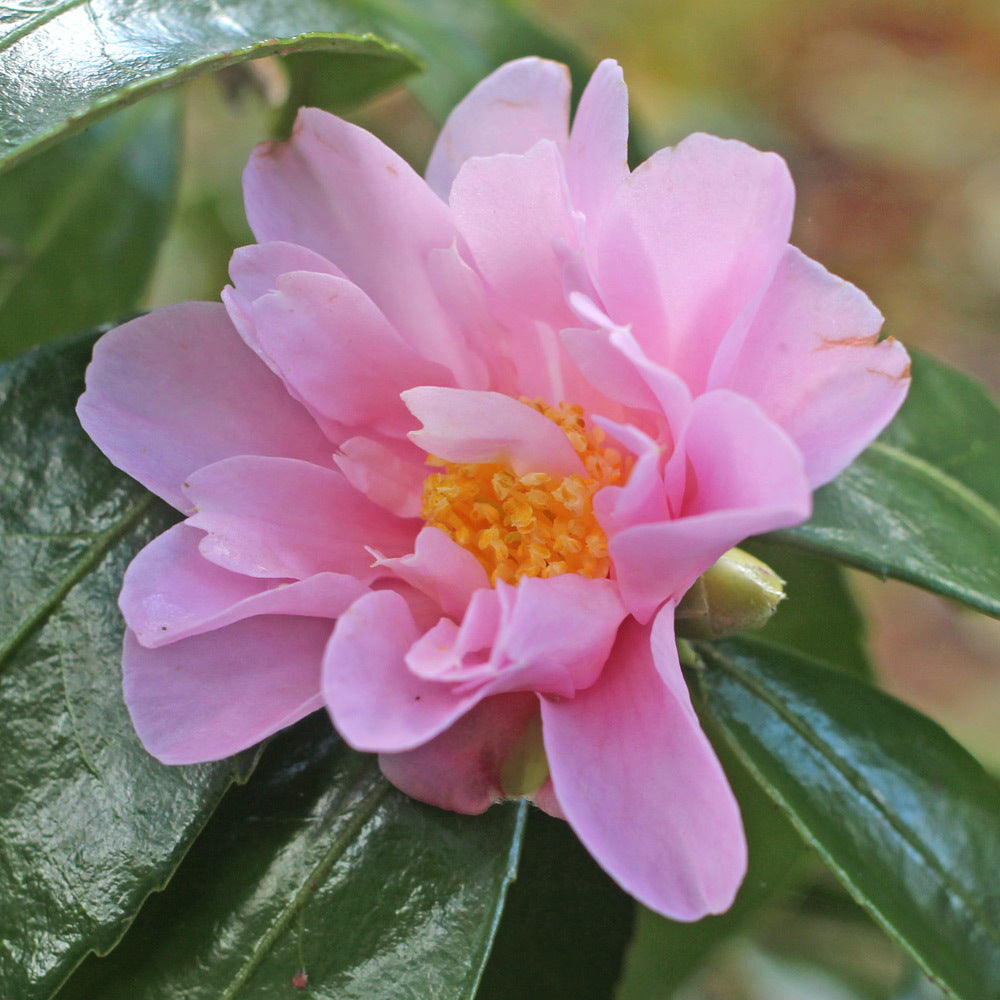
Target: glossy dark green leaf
x,y
905,817
90,824
80,225
566,924
818,616
922,504
64,63
317,866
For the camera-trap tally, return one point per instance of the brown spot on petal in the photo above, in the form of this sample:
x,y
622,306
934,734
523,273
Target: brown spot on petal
x,y
828,342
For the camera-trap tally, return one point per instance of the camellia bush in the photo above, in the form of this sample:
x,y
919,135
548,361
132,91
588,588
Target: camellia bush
x,y
451,608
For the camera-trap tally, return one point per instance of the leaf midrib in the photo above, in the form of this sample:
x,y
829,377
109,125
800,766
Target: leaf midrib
x,y
947,481
359,817
87,561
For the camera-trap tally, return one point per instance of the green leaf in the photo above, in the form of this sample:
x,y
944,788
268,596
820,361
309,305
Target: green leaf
x,y
90,824
319,866
66,63
905,818
565,926
818,616
80,226
922,504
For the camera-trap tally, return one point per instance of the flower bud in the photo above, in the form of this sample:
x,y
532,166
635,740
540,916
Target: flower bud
x,y
738,594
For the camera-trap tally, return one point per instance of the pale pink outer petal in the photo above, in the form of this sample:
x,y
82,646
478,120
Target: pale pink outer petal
x,y
811,361
508,112
388,472
211,695
460,769
641,786
255,270
597,156
442,569
518,224
462,425
375,701
746,477
690,240
170,591
336,189
280,518
178,389
339,353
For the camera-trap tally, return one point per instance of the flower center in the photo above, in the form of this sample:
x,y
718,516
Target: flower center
x,y
530,525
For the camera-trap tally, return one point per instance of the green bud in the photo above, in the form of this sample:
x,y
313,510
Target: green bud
x,y
526,767
738,594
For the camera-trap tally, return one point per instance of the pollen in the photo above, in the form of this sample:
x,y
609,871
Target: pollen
x,y
534,524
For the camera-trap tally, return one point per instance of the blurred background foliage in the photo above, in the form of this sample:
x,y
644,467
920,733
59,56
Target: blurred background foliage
x,y
888,112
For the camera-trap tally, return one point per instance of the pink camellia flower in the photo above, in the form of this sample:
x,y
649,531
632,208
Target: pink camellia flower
x,y
451,450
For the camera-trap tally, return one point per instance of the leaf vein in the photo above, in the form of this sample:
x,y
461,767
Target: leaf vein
x,y
88,559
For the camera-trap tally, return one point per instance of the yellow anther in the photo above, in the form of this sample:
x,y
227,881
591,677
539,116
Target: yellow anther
x,y
530,525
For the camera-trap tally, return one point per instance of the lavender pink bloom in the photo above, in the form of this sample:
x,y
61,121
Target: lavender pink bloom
x,y
451,449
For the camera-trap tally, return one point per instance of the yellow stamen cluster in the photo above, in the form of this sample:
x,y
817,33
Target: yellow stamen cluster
x,y
530,525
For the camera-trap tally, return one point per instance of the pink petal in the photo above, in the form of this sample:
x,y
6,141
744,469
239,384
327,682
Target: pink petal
x,y
170,592
375,701
212,695
607,369
255,270
597,157
508,112
811,361
746,477
442,569
485,350
280,518
460,769
330,342
642,500
639,783
178,389
515,216
390,473
689,241
461,425
555,633
339,191
546,635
